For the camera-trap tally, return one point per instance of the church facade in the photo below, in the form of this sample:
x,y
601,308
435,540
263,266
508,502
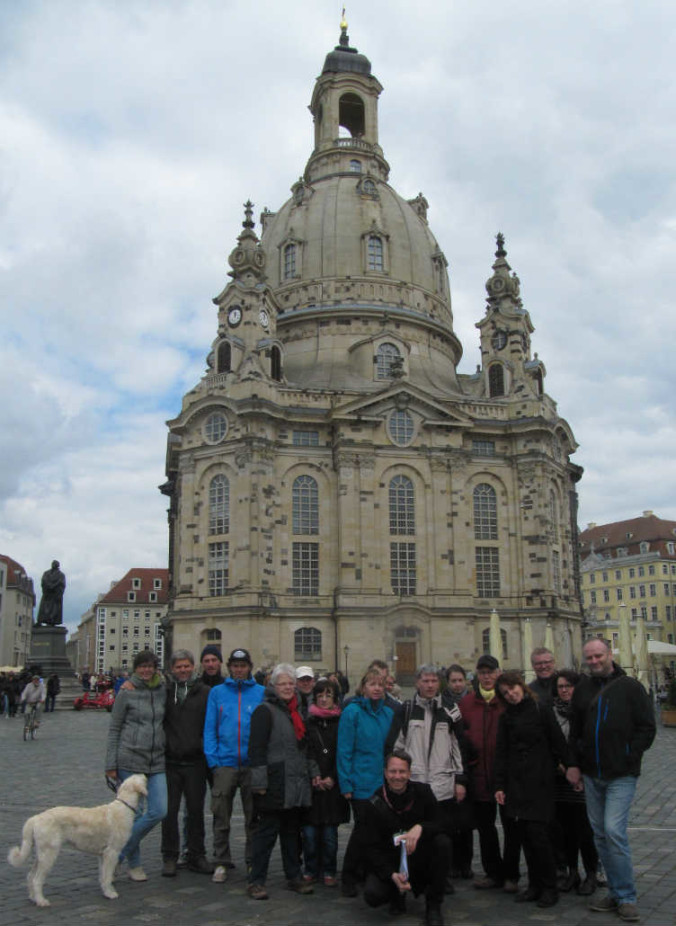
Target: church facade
x,y
338,491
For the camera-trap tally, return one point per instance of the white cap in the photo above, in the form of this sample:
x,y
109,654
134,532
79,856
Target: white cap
x,y
304,672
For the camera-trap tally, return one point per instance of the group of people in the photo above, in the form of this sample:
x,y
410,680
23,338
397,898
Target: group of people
x,y
26,688
557,760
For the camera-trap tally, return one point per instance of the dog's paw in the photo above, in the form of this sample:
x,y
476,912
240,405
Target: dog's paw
x,y
111,894
42,902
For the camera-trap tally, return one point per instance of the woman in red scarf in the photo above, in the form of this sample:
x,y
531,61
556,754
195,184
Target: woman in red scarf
x,y
280,781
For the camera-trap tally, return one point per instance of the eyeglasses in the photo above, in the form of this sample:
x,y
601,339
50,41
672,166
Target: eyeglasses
x,y
564,687
541,665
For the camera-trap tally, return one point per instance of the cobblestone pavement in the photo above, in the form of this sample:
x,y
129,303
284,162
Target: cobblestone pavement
x,y
64,766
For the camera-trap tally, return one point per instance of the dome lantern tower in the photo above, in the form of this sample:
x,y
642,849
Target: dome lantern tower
x,y
344,107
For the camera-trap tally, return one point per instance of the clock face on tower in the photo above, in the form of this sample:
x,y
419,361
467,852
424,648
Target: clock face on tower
x,y
264,318
234,316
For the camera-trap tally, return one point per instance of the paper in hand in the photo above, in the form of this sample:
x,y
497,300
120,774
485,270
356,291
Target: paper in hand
x,y
399,840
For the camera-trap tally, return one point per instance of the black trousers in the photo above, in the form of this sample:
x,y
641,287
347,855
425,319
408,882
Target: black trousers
x,y
427,868
539,852
352,859
266,827
577,835
189,781
500,867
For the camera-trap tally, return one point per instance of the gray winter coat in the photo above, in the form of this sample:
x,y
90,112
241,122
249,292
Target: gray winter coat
x,y
279,763
136,732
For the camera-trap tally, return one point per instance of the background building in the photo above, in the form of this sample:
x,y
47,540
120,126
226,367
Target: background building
x,y
129,619
338,491
630,564
17,604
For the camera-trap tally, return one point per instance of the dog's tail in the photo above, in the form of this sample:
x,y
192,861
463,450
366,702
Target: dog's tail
x,y
19,855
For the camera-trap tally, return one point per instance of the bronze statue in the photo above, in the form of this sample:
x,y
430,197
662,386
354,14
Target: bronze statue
x,y
51,605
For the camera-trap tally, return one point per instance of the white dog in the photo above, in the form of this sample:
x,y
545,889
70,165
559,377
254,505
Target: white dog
x,y
102,831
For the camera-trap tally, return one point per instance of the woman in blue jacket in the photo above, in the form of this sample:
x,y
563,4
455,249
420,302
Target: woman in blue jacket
x,y
362,733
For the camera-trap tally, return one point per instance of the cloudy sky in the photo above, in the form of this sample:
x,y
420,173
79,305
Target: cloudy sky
x,y
131,131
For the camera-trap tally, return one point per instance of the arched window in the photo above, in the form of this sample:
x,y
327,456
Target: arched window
x,y
496,380
355,166
400,427
402,506
224,362
375,253
307,644
276,364
213,635
289,261
485,512
219,505
305,505
351,114
386,356
486,644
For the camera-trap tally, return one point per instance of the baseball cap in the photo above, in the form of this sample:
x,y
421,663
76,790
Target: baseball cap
x,y
304,672
488,662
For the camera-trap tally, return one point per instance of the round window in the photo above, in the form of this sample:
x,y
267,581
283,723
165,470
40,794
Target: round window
x,y
215,427
400,426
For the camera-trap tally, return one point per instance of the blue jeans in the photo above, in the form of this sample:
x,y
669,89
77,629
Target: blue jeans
x,y
608,804
320,849
155,812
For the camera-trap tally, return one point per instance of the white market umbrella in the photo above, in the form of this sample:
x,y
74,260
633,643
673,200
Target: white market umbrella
x,y
528,649
549,638
641,653
626,659
495,637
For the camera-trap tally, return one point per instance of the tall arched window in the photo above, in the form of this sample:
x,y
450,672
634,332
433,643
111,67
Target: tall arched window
x,y
219,505
289,261
496,380
224,362
305,505
351,114
387,355
485,512
402,506
276,364
375,253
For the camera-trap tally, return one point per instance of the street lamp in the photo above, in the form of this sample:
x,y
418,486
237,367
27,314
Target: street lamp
x,y
346,650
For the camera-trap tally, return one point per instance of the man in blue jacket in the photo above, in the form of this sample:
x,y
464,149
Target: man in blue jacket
x,y
226,746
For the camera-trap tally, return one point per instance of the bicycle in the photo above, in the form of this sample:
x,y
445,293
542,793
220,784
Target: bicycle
x,y
31,723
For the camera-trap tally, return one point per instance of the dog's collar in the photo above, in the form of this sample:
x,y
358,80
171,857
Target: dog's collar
x,y
122,801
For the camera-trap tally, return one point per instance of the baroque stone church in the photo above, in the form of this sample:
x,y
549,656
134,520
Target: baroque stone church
x,y
338,491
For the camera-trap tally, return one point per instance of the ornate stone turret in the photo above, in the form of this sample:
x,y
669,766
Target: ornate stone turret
x,y
505,335
246,345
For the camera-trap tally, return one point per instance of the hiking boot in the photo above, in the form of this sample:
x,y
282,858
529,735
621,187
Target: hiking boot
x,y
257,892
548,898
433,915
220,874
486,884
169,868
603,904
628,912
201,865
588,886
299,886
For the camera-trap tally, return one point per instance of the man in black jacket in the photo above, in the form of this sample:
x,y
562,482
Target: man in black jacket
x,y
612,725
407,809
186,766
544,666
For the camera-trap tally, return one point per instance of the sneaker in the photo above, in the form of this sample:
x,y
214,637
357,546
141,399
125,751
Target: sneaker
x,y
300,886
603,904
330,880
201,865
137,874
588,886
628,912
169,867
257,892
309,879
486,884
220,874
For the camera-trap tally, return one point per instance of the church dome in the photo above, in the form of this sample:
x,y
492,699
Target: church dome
x,y
353,229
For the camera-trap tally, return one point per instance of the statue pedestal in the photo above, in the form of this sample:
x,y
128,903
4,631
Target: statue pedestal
x,y
48,655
